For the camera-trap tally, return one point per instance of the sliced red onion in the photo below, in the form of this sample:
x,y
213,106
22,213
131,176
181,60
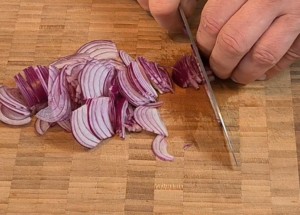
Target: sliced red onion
x,y
43,75
100,49
94,94
132,126
114,96
86,81
41,126
71,59
159,76
10,97
129,92
126,58
81,129
187,146
53,74
56,111
99,117
26,91
36,83
16,95
129,112
155,104
10,117
140,82
112,63
66,125
74,69
159,148
186,73
59,105
96,80
150,120
44,72
121,108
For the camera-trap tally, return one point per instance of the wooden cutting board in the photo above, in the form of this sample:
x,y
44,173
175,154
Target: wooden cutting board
x,y
53,174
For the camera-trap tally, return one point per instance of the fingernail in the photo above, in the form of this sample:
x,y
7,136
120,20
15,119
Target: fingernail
x,y
233,79
262,78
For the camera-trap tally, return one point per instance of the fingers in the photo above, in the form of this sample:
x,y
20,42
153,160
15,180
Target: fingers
x,y
267,51
214,16
290,57
144,4
166,12
240,33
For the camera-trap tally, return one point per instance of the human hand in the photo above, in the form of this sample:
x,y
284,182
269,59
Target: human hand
x,y
165,12
245,40
250,40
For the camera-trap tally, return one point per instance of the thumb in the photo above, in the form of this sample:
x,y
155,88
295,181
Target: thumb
x,y
166,12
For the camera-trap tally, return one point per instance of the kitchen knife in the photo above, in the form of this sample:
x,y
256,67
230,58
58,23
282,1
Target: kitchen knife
x,y
207,85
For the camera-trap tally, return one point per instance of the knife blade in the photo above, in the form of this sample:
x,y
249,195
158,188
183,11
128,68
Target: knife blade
x,y
207,85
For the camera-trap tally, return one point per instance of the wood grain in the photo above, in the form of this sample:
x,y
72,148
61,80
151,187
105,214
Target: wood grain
x,y
53,174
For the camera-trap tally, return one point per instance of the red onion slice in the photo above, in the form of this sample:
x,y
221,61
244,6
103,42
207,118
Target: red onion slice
x,y
74,69
95,80
15,94
59,102
10,117
159,76
150,120
155,104
99,117
66,125
71,59
100,49
130,124
12,101
187,146
121,108
26,91
94,45
111,63
140,82
55,113
42,73
36,84
86,83
126,58
128,91
53,74
133,126
159,148
11,114
7,96
41,126
81,130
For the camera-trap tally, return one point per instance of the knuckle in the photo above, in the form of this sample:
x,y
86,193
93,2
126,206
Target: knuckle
x,y
232,45
293,54
263,56
210,24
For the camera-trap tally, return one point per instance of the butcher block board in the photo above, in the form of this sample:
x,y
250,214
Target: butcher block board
x,y
53,174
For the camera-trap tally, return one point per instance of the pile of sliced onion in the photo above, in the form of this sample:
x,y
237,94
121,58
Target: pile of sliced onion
x,y
95,94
